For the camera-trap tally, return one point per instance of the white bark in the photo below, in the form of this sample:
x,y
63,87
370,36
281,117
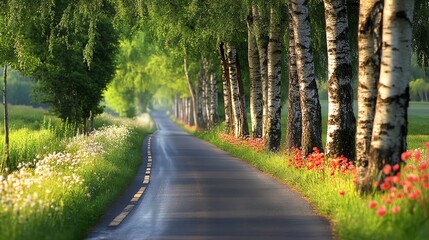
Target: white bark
x,y
237,97
261,33
214,116
294,115
390,122
256,102
340,139
207,92
200,107
309,99
192,93
273,138
226,88
369,39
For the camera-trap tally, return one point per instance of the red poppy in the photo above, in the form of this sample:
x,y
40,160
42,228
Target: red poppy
x,y
381,211
372,204
387,169
396,167
406,155
395,209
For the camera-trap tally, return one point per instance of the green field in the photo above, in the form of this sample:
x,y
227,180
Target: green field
x,y
61,183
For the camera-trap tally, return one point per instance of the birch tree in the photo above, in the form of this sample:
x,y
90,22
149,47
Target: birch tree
x,y
256,103
191,89
207,90
226,84
309,97
390,122
214,112
294,115
273,137
261,21
200,102
340,139
237,93
369,38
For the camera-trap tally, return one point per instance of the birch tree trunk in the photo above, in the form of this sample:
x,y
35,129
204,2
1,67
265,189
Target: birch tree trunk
x,y
274,82
369,39
191,113
214,115
237,93
226,84
203,93
192,93
176,106
294,115
340,138
5,157
207,92
254,78
200,107
309,96
391,121
261,34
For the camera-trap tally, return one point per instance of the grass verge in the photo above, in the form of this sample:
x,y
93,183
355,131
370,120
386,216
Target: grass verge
x,y
62,194
401,211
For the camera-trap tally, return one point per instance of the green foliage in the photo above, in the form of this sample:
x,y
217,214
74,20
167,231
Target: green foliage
x,y
419,90
144,72
421,32
66,83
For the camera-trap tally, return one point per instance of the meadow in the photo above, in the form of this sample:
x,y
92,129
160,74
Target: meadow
x,y
399,211
60,181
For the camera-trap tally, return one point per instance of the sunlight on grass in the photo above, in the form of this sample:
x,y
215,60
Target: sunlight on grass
x,y
329,186
62,182
332,190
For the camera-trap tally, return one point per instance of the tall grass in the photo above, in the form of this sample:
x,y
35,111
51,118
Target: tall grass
x,y
61,191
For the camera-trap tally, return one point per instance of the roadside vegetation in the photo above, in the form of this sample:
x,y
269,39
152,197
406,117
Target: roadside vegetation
x,y
63,181
398,211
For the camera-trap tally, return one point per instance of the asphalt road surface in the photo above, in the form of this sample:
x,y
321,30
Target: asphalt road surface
x,y
197,191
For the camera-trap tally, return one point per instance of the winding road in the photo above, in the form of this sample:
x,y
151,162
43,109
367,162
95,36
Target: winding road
x,y
197,191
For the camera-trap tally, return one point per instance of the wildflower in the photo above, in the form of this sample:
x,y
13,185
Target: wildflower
x,y
412,178
396,167
406,155
375,184
381,211
385,186
417,155
426,185
414,195
372,204
427,144
387,169
423,165
342,192
396,179
395,209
